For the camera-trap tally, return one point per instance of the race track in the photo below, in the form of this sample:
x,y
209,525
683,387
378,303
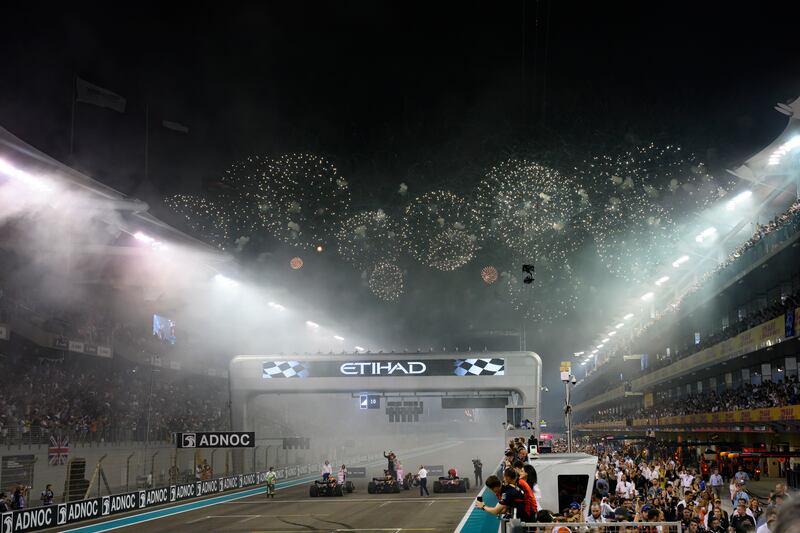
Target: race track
x,y
293,511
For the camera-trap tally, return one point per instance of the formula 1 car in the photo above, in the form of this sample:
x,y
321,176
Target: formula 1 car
x,y
381,485
447,484
325,488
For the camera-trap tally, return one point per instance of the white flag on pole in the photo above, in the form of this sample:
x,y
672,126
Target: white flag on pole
x,y
92,94
175,126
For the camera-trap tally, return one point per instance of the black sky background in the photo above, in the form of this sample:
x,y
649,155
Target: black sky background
x,y
426,93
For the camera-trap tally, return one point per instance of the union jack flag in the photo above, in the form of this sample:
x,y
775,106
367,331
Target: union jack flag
x,y
58,451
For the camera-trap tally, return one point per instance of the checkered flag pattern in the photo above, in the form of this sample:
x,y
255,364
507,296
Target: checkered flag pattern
x,y
284,369
480,367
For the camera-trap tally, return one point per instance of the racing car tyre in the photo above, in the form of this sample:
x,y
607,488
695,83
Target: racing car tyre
x,y
462,487
338,491
467,482
437,486
313,491
349,487
396,487
371,487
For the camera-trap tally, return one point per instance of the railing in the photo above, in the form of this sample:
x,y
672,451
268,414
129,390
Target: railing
x,y
517,526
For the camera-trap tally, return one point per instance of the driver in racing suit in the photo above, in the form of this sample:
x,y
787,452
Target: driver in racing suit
x,y
270,479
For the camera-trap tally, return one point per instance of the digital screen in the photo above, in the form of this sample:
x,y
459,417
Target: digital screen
x,y
164,329
369,401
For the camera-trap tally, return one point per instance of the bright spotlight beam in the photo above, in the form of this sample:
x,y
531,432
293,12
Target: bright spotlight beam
x,y
648,296
681,260
22,176
706,234
738,200
225,281
312,324
338,338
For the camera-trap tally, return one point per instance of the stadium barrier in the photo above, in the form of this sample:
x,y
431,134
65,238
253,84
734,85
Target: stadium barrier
x,y
61,514
516,526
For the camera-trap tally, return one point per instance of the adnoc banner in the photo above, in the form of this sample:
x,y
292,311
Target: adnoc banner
x,y
63,514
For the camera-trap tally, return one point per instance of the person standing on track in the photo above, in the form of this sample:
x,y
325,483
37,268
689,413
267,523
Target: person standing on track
x,y
271,478
423,480
391,458
327,470
477,465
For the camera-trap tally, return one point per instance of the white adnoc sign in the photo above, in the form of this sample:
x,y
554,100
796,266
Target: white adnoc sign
x,y
216,439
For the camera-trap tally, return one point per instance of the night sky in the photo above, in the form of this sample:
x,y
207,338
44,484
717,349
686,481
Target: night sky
x,y
426,93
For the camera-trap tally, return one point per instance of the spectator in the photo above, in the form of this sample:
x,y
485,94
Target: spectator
x,y
740,519
18,499
47,495
768,524
716,482
741,476
510,499
595,515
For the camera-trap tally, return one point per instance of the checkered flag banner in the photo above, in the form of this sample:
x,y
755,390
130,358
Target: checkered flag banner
x,y
284,369
480,367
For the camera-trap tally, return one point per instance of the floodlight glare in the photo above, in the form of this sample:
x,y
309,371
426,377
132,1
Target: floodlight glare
x,y
662,280
681,260
742,196
648,296
706,234
621,323
225,281
338,338
312,324
628,316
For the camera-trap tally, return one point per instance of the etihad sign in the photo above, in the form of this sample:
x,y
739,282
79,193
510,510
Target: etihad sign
x,y
381,368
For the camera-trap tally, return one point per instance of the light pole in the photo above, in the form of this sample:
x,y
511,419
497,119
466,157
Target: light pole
x,y
567,378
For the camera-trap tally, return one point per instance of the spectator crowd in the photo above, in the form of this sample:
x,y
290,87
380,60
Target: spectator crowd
x,y
747,396
44,392
765,237
643,484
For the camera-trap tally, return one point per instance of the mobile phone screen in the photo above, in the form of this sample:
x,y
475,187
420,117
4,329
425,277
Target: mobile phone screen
x,y
479,498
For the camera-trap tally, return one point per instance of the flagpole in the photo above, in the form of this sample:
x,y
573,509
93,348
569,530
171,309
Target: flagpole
x,y
146,138
72,120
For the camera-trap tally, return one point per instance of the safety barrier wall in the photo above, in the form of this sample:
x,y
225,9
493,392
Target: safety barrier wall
x,y
61,514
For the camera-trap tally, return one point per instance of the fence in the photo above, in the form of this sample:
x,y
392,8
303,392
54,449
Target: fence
x,y
517,526
60,514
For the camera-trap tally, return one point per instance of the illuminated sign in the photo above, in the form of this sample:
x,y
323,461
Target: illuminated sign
x,y
371,368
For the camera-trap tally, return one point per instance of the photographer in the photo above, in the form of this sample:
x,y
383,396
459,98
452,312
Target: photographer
x,y
47,495
477,465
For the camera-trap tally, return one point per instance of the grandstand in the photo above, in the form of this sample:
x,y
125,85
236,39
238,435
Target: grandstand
x,y
714,361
